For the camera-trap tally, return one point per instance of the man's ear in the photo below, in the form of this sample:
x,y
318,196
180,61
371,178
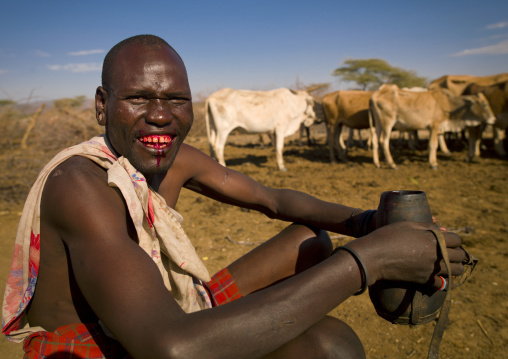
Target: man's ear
x,y
101,96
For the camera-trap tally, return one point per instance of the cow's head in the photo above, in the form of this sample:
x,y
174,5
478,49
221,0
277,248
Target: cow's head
x,y
309,114
478,108
319,112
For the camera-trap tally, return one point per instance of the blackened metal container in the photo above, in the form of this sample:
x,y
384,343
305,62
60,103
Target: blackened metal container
x,y
404,302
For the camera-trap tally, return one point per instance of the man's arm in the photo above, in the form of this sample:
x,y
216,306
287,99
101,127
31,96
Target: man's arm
x,y
209,178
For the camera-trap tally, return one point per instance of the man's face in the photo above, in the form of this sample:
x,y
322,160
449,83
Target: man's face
x,y
148,108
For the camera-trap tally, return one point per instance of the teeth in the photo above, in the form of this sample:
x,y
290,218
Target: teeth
x,y
156,139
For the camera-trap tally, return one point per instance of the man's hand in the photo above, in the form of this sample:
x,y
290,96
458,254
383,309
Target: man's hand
x,y
408,251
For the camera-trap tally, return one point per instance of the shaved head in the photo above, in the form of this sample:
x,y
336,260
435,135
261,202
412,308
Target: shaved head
x,y
150,41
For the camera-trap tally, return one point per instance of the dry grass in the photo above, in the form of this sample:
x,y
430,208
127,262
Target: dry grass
x,y
54,130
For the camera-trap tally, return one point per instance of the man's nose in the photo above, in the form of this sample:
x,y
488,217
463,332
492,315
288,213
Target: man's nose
x,y
159,112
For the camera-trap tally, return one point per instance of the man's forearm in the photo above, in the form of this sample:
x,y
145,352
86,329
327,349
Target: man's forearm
x,y
275,315
300,207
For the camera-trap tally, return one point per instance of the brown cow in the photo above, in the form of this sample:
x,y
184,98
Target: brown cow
x,y
391,108
497,95
458,83
349,108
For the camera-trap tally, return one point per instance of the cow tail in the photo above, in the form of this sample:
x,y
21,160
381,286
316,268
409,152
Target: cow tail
x,y
371,109
211,134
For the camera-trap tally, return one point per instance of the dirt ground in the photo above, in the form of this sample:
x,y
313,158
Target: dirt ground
x,y
469,198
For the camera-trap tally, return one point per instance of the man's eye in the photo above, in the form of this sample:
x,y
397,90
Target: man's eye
x,y
179,101
138,99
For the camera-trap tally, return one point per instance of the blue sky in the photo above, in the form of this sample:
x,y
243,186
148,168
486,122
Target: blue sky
x,y
54,49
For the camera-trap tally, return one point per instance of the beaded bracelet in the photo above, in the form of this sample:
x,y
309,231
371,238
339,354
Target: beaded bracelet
x,y
361,265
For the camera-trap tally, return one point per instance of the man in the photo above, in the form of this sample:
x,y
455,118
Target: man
x,y
114,261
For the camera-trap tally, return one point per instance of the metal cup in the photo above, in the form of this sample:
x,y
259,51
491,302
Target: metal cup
x,y
405,302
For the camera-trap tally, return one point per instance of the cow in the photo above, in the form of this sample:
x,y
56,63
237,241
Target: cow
x,y
391,108
458,83
344,108
279,111
413,135
497,95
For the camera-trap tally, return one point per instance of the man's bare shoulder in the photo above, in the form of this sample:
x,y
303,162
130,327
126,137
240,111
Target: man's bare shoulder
x,y
74,173
193,161
77,198
189,150
75,164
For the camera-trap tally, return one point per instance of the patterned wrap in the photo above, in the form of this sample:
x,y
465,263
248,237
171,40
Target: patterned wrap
x,y
90,341
158,228
223,288
73,341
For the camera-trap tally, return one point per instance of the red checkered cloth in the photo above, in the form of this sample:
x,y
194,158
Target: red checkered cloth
x,y
73,341
90,341
222,288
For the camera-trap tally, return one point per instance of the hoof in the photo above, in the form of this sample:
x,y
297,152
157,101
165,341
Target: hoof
x,y
471,160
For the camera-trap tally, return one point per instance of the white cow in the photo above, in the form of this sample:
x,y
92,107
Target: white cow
x,y
279,111
391,108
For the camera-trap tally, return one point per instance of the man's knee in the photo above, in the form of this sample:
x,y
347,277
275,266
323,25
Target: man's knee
x,y
313,249
338,340
329,338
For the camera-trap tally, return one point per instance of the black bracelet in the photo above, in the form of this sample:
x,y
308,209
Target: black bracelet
x,y
361,265
364,222
349,223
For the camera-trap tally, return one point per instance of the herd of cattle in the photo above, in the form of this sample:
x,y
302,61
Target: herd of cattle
x,y
452,103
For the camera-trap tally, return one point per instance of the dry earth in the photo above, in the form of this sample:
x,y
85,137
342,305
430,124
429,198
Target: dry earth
x,y
469,198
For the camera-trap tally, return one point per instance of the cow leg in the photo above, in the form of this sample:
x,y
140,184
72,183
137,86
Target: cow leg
x,y
350,141
473,142
271,139
433,143
212,138
384,138
360,139
306,130
442,144
220,143
309,139
341,147
300,137
375,140
331,141
369,139
499,138
262,140
279,146
412,140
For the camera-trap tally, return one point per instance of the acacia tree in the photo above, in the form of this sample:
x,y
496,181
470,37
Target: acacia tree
x,y
369,74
